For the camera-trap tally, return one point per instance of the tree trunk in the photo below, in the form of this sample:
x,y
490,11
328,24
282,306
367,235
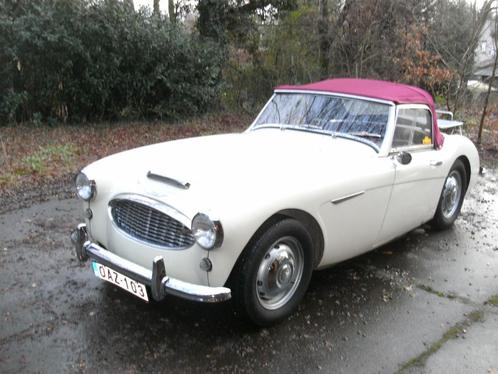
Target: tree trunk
x,y
156,10
486,100
4,159
171,11
129,4
493,73
323,31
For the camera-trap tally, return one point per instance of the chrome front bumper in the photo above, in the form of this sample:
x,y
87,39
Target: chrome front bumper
x,y
159,283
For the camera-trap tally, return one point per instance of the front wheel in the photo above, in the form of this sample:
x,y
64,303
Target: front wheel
x,y
273,273
451,199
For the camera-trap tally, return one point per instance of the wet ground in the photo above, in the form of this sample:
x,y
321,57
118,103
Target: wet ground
x,y
425,303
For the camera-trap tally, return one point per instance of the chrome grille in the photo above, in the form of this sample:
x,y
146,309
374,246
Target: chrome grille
x,y
150,225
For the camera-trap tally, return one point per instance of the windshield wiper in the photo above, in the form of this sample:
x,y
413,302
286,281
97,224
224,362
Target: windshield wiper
x,y
311,126
365,134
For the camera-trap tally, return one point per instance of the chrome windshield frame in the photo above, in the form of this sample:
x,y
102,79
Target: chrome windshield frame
x,y
341,135
382,149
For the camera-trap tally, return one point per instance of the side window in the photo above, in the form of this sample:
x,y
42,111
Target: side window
x,y
413,127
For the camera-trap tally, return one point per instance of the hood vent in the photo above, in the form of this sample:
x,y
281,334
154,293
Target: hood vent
x,y
168,180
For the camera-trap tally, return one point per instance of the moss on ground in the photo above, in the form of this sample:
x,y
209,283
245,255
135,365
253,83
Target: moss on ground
x,y
436,292
493,300
452,333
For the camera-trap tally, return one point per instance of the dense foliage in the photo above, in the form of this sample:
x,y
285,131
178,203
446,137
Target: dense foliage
x,y
428,43
79,60
82,60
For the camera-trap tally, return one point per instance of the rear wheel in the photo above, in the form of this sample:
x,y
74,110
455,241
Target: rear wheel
x,y
273,273
451,199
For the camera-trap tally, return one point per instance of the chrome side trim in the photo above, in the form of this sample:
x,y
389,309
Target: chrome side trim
x,y
161,285
347,197
411,148
435,163
168,180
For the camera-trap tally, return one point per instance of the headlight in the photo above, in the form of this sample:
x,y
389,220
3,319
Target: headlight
x,y
85,188
207,233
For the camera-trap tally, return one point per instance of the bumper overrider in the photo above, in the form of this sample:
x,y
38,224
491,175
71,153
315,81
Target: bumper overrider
x,y
159,283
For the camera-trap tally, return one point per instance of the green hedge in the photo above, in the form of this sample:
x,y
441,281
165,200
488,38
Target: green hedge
x,y
80,60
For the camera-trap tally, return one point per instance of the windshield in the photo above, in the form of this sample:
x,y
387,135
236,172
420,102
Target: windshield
x,y
342,116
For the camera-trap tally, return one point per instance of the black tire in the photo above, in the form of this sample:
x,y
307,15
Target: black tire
x,y
444,217
250,282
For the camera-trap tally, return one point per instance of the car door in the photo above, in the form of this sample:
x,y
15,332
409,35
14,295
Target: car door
x,y
417,183
355,209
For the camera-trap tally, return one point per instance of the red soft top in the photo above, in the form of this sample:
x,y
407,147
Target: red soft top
x,y
389,91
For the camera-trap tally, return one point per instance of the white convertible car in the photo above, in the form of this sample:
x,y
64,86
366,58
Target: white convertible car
x,y
326,172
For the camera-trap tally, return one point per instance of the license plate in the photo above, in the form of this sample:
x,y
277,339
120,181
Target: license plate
x,y
120,280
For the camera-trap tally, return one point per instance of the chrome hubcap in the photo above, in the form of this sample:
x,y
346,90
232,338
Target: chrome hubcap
x,y
452,192
279,273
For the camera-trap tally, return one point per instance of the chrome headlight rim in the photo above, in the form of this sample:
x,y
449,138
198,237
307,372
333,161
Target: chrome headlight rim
x,y
200,235
83,183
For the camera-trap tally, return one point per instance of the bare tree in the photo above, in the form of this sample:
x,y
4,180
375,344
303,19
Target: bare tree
x,y
4,159
491,80
323,30
460,61
129,3
171,11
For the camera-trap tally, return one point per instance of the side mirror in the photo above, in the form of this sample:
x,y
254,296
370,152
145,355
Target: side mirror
x,y
404,158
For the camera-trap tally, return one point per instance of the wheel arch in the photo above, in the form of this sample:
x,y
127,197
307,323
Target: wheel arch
x,y
305,218
441,221
311,224
466,163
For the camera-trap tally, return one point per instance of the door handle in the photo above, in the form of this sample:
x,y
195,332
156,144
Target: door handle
x,y
435,163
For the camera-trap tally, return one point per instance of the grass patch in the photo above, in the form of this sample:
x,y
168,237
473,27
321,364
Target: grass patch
x,y
30,155
436,292
47,156
493,300
452,333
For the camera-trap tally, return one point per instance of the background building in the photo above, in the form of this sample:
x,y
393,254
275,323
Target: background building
x,y
486,48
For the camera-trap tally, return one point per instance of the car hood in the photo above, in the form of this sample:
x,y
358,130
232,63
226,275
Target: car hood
x,y
223,169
